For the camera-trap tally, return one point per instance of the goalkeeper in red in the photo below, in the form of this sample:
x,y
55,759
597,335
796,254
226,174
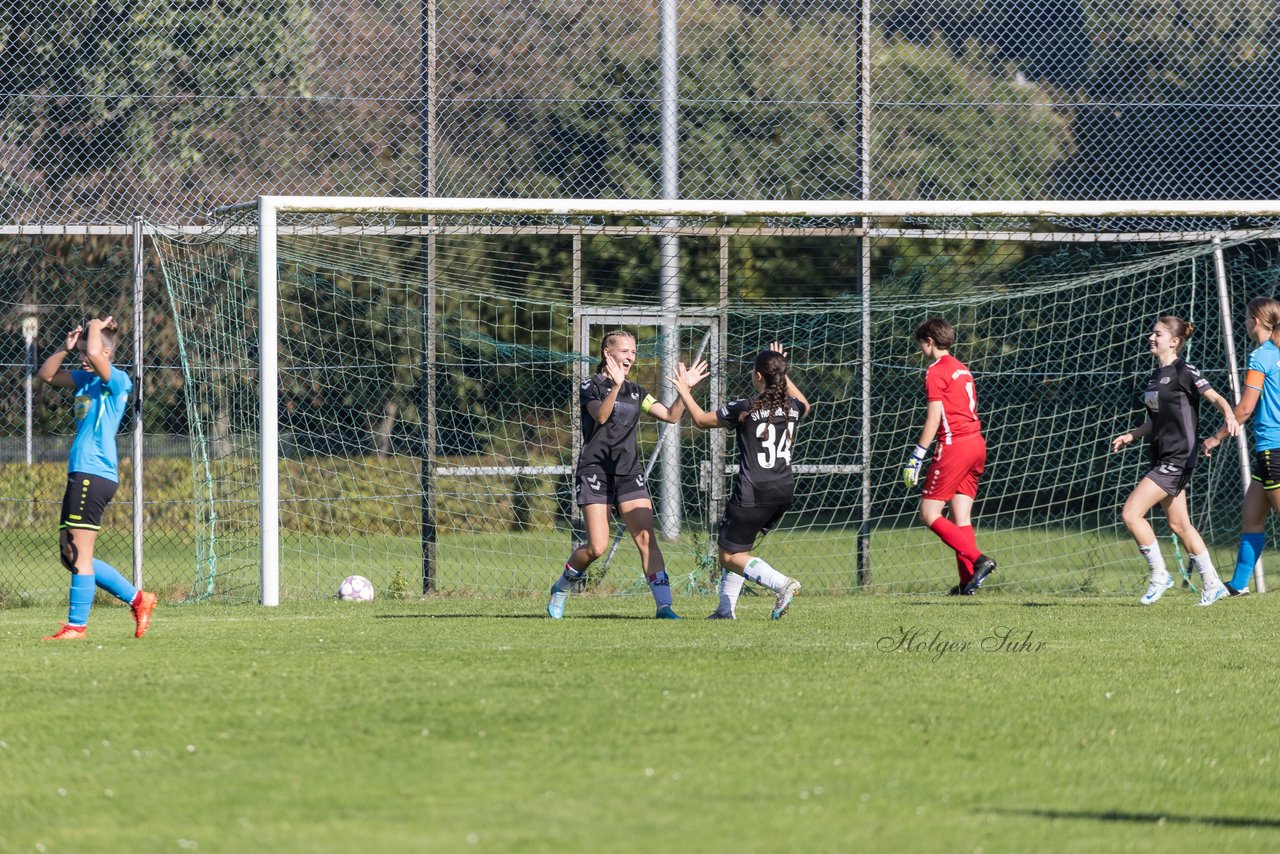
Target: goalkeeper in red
x,y
952,478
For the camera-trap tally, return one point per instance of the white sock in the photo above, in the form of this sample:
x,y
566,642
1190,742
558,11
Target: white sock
x,y
1208,574
565,583
763,574
660,587
730,587
1155,560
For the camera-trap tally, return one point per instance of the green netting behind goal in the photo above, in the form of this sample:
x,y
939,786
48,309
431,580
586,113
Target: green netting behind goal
x,y
431,446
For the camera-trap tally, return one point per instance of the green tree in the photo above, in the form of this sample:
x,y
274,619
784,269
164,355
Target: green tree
x,y
103,97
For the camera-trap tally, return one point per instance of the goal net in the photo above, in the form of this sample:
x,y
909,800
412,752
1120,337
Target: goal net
x,y
420,411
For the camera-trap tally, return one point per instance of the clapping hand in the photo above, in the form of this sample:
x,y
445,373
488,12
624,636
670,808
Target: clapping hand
x,y
685,378
614,370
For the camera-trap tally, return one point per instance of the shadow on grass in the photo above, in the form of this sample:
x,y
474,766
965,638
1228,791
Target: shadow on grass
x,y
1144,817
1110,603
506,617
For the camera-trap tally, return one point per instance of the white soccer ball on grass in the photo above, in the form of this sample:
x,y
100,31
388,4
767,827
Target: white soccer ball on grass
x,y
355,588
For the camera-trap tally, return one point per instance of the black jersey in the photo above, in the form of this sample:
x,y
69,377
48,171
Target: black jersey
x,y
611,448
1172,399
764,451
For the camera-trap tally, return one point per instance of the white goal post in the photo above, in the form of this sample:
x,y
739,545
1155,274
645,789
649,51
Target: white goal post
x,y
269,209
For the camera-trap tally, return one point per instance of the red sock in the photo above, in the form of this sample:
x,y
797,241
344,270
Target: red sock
x,y
964,566
956,539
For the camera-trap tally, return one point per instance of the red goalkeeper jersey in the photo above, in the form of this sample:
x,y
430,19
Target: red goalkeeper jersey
x,y
949,381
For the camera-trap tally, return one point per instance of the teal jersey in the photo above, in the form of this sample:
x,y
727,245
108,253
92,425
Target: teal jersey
x,y
1266,417
99,409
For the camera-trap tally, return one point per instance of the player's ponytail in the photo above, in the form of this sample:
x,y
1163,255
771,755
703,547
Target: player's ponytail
x,y
1265,312
772,368
1178,328
607,342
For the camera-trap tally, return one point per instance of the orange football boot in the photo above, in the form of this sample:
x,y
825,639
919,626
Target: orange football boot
x,y
142,607
68,632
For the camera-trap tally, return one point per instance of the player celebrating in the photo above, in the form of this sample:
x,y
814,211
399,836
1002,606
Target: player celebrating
x,y
766,431
1261,392
952,478
102,391
1172,399
609,472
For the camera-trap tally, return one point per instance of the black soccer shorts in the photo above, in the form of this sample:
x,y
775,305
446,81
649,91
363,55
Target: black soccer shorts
x,y
1266,468
85,501
742,525
596,488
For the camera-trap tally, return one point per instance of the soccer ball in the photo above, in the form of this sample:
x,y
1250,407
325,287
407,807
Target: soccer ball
x,y
355,588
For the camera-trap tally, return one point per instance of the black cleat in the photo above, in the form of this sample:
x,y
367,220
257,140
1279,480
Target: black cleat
x,y
960,591
1231,591
982,567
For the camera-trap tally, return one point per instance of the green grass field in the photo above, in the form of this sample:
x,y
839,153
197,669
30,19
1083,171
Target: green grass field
x,y
504,564
451,724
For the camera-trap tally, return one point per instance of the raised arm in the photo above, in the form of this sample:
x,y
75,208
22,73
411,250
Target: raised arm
x,y
52,371
600,410
99,359
670,414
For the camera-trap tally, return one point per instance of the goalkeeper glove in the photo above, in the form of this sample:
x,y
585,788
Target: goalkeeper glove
x,y
911,471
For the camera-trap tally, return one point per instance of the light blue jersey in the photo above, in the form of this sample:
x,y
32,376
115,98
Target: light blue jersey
x,y
1266,418
99,409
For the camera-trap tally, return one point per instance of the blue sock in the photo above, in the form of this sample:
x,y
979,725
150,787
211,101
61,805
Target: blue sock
x,y
82,590
109,579
1246,557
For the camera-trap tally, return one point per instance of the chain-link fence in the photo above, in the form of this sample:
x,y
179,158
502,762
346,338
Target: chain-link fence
x,y
163,109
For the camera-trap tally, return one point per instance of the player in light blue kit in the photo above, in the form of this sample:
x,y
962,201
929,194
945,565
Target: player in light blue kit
x,y
1261,395
102,392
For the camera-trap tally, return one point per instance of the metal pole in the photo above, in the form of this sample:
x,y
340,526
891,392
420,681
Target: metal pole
x,y
718,440
581,371
428,465
30,332
1233,377
268,402
139,281
670,509
864,285
427,186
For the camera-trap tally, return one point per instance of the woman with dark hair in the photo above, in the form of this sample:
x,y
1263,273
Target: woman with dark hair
x,y
765,426
1172,400
610,474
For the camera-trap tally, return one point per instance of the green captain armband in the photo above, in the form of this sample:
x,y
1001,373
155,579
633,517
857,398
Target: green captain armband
x,y
647,403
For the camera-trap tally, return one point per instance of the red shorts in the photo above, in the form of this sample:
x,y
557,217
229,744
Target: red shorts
x,y
956,469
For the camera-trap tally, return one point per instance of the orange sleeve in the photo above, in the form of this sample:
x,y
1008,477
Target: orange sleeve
x,y
1254,379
